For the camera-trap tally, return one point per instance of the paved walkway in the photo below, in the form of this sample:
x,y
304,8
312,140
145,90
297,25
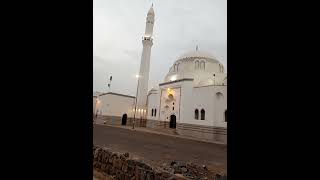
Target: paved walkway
x,y
155,131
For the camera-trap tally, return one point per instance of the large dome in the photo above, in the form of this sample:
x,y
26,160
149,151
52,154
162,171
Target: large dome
x,y
201,66
199,54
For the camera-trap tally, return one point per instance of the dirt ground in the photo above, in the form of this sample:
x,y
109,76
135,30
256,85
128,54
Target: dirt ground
x,y
158,149
101,176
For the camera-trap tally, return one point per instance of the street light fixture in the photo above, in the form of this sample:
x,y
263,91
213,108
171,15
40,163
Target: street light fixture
x,y
96,107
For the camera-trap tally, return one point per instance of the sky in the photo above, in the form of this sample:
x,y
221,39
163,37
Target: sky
x,y
180,25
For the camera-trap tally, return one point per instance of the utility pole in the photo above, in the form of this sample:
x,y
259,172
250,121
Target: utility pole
x,y
135,104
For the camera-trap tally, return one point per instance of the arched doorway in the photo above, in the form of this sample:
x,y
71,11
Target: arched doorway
x,y
173,121
124,119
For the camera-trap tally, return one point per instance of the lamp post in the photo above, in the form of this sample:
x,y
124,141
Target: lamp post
x,y
97,108
135,104
109,84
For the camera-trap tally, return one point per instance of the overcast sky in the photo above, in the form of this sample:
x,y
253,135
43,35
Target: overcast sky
x,y
180,25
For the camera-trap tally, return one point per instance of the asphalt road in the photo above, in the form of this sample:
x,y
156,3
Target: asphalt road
x,y
158,149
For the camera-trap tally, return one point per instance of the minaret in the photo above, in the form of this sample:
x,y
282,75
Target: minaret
x,y
145,61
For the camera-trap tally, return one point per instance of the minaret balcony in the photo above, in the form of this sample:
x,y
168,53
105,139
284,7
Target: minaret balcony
x,y
147,38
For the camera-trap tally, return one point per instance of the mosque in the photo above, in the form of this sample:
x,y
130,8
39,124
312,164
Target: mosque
x,y
191,100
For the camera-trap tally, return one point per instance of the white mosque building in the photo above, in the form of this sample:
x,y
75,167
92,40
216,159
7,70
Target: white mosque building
x,y
191,100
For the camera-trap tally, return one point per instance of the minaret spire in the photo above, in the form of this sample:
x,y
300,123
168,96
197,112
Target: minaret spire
x,y
143,78
149,22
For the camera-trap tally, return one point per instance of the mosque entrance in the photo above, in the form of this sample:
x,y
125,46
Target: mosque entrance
x,y
173,121
124,119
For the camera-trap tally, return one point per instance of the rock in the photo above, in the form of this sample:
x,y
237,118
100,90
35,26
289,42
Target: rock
x,y
157,176
122,176
108,168
117,163
165,174
127,177
114,160
150,176
126,155
131,162
171,170
177,177
177,170
164,165
173,163
118,173
103,167
110,160
125,166
220,177
122,157
143,175
184,170
97,165
182,164
204,167
137,173
113,170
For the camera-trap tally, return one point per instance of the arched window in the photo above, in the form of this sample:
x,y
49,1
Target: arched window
x,y
221,68
177,67
225,116
203,114
196,64
202,65
196,114
152,112
155,112
219,95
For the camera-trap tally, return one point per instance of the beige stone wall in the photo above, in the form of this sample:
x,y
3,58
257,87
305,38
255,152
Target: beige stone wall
x,y
209,133
117,120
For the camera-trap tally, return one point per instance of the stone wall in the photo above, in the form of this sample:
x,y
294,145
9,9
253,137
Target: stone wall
x,y
121,167
209,133
157,124
110,120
